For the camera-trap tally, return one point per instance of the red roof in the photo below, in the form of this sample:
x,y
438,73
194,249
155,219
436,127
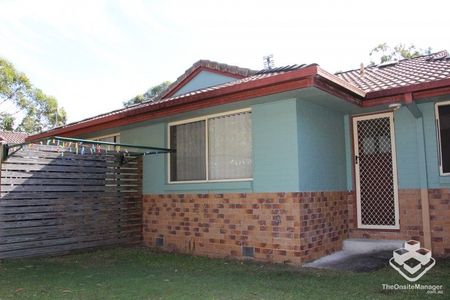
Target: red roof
x,y
10,137
162,101
415,78
426,68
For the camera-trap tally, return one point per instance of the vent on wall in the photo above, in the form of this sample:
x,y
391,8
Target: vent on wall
x,y
248,251
159,241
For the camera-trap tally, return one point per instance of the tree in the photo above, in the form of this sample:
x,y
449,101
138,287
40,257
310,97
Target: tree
x,y
21,101
148,95
7,122
385,53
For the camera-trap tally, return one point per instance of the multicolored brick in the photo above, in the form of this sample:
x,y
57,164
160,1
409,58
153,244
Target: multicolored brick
x,y
411,224
277,225
281,227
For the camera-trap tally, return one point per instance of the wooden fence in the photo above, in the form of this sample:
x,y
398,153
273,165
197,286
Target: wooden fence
x,y
54,202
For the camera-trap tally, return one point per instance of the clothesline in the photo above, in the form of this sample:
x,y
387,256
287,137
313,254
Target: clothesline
x,y
84,146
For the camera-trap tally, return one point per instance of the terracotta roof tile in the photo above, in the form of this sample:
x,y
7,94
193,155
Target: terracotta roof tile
x,y
405,72
155,102
427,68
12,137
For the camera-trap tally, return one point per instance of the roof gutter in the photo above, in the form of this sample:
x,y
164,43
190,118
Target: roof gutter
x,y
402,94
250,89
340,82
310,76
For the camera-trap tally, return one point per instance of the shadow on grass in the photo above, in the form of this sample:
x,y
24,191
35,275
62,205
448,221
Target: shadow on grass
x,y
139,273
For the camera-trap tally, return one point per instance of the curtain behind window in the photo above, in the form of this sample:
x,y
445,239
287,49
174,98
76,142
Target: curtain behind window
x,y
230,147
189,161
110,139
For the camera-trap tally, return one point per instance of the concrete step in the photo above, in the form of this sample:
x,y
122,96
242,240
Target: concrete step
x,y
367,246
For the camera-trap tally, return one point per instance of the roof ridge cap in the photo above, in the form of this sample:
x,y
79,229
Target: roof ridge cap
x,y
209,64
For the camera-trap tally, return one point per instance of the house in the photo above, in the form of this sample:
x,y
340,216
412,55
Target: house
x,y
284,164
10,137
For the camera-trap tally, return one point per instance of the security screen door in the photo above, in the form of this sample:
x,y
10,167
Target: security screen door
x,y
376,171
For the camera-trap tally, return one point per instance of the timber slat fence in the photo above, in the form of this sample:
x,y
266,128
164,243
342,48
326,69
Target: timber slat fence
x,y
54,202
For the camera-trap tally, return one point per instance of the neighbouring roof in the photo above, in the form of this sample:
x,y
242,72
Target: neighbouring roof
x,y
371,87
280,69
10,137
405,72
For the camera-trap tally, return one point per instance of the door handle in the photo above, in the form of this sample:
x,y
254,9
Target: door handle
x,y
356,159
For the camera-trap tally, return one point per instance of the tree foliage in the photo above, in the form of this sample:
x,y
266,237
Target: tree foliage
x,y
148,95
22,106
385,53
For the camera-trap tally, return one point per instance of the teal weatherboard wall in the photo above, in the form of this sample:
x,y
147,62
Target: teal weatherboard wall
x,y
406,148
409,133
154,165
322,155
274,142
348,152
435,180
298,145
202,80
414,138
155,174
275,146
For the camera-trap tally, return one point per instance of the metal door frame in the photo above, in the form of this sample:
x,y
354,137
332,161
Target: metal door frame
x,y
390,115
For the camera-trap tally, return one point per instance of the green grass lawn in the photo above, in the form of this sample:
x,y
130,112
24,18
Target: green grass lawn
x,y
138,273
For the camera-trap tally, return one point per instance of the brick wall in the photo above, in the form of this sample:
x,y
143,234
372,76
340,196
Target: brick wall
x,y
324,223
279,227
410,212
440,221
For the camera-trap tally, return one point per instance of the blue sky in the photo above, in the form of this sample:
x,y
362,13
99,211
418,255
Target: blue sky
x,y
92,55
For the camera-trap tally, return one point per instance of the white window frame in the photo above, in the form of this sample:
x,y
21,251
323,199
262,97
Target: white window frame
x,y
196,119
438,136
97,138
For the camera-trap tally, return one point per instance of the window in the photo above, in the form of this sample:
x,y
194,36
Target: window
x,y
189,162
376,145
443,132
211,148
112,138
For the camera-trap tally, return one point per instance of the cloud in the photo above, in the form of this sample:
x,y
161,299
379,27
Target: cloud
x,y
92,55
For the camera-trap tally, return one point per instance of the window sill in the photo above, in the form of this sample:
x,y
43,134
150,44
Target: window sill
x,y
209,181
444,178
239,186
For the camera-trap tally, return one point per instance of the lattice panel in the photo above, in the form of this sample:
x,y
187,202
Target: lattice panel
x,y
377,191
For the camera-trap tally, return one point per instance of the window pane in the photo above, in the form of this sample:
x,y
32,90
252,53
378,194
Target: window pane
x,y
369,146
230,147
444,122
384,144
189,161
109,139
